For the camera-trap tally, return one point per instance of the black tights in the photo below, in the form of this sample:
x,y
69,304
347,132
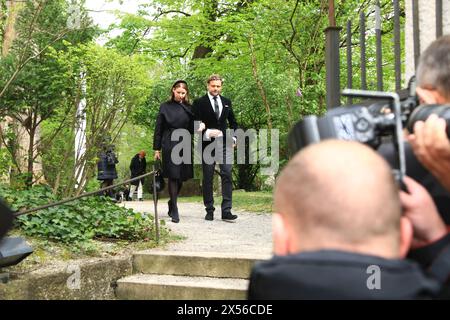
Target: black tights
x,y
174,190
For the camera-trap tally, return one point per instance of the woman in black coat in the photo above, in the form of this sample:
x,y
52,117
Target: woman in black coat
x,y
174,114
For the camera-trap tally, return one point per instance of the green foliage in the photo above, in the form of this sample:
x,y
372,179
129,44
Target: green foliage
x,y
268,51
33,84
350,12
115,86
132,139
79,221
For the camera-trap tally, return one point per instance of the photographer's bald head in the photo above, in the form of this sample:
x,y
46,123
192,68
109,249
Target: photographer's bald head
x,y
339,195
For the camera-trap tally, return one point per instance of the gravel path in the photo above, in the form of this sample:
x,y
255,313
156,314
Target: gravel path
x,y
250,234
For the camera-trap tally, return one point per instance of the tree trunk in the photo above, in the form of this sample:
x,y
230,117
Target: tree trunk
x,y
30,158
9,33
201,52
210,12
25,139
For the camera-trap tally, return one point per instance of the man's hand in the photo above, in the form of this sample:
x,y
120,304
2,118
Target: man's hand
x,y
432,147
157,155
214,133
420,209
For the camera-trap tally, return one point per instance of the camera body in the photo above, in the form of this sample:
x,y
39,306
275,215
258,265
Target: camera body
x,y
364,123
356,123
370,123
367,122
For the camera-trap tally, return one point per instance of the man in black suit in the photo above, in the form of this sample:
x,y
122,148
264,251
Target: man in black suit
x,y
217,146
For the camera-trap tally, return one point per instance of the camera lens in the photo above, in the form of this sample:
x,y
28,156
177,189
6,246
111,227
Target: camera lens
x,y
423,112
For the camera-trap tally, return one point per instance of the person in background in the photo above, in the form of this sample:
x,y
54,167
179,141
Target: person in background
x,y
106,167
138,166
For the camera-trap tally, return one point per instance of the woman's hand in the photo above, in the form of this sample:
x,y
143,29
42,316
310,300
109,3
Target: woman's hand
x,y
157,155
201,127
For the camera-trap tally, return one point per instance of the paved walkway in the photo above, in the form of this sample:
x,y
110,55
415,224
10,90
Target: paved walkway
x,y
250,234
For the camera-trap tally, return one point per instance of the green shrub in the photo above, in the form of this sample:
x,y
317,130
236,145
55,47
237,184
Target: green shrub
x,y
78,221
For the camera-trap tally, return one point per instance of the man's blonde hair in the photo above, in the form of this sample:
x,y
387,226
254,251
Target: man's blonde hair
x,y
215,77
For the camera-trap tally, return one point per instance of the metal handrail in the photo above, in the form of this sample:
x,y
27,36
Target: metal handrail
x,y
88,194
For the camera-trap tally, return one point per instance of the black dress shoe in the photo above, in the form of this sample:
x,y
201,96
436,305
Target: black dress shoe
x,y
229,216
209,216
175,220
175,217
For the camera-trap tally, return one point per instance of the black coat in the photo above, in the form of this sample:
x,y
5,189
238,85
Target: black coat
x,y
204,112
137,168
338,275
106,166
172,116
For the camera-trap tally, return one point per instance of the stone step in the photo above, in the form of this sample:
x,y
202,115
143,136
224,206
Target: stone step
x,y
216,265
166,287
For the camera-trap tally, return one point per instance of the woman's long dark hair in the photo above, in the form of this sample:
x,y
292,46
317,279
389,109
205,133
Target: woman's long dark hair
x,y
180,84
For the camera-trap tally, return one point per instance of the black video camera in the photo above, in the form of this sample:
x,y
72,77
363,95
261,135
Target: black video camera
x,y
368,123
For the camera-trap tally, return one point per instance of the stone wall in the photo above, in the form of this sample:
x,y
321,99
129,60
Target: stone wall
x,y
427,26
97,280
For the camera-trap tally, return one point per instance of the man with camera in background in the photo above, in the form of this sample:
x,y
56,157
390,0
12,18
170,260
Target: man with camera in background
x,y
106,167
352,245
428,152
429,140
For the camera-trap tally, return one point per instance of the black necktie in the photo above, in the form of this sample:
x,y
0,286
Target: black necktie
x,y
216,107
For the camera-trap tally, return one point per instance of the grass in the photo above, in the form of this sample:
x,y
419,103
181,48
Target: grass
x,y
259,202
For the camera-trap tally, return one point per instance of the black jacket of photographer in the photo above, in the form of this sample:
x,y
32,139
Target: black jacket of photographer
x,y
138,166
334,275
173,115
106,166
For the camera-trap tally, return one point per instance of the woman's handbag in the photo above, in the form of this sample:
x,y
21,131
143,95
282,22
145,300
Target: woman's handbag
x,y
158,181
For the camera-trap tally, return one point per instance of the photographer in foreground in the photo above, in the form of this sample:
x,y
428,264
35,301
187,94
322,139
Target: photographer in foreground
x,y
338,221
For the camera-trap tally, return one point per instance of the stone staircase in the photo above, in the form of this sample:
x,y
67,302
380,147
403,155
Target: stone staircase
x,y
176,275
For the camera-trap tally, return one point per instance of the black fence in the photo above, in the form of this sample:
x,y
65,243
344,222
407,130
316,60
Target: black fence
x,y
334,42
